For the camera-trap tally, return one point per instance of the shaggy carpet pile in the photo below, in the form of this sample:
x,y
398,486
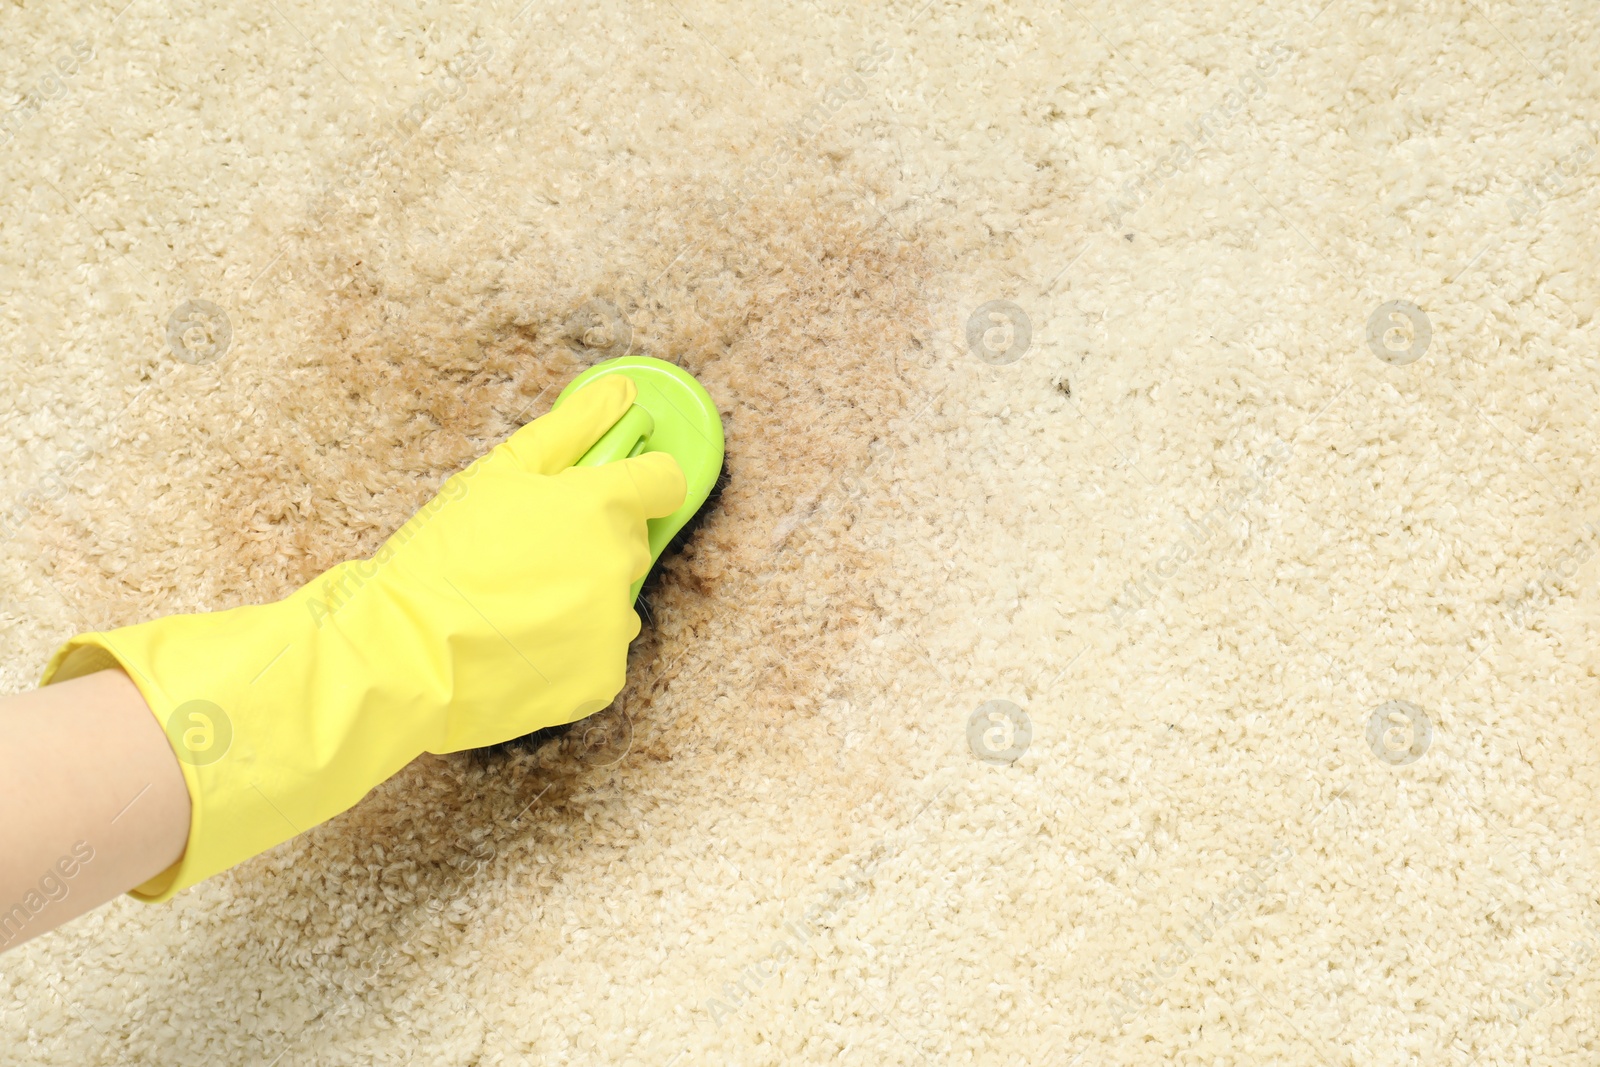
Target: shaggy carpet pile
x,y
1152,618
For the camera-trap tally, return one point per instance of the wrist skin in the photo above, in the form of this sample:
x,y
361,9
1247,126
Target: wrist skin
x,y
94,801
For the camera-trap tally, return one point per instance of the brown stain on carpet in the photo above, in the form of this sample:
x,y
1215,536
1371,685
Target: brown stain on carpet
x,y
797,312
800,340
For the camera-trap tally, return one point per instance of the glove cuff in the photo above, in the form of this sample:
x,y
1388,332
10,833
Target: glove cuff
x,y
88,654
278,719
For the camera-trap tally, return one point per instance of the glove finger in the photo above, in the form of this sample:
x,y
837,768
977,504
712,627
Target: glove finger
x,y
655,477
557,440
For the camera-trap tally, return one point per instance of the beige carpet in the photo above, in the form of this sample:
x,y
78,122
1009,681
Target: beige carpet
x,y
1291,588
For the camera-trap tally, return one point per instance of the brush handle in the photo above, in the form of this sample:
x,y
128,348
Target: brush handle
x,y
671,413
624,440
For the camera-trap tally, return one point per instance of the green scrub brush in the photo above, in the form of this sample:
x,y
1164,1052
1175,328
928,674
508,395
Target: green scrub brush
x,y
672,413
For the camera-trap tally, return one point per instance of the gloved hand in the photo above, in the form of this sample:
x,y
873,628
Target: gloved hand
x,y
501,607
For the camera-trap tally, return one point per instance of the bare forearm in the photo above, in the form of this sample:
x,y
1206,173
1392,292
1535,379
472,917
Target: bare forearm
x,y
92,801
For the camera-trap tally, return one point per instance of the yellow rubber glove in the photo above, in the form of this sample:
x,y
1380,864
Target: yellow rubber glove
x,y
501,607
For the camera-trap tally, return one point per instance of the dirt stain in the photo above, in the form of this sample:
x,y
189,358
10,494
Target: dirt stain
x,y
796,310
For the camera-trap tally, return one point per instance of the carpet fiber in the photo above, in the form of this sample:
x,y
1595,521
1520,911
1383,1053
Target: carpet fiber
x,y
1149,620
